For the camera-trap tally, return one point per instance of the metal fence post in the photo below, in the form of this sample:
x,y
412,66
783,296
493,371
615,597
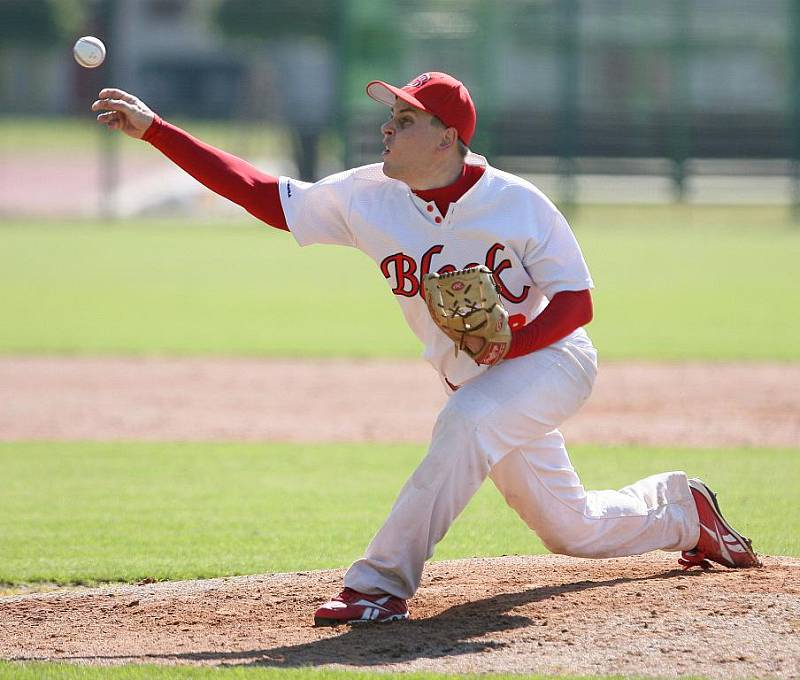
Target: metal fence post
x,y
679,94
568,48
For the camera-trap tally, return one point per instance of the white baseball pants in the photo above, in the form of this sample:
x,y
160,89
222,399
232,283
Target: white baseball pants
x,y
503,424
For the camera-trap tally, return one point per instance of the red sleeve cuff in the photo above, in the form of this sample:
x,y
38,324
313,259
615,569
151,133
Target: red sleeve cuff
x,y
154,129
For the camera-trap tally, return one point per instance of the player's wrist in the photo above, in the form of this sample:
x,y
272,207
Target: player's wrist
x,y
153,128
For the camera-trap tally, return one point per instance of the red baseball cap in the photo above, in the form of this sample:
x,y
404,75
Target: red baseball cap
x,y
439,94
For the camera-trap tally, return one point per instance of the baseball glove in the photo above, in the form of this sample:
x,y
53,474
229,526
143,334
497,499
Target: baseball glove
x,y
465,304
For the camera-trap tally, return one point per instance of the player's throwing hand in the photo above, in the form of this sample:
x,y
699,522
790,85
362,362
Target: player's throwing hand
x,y
122,111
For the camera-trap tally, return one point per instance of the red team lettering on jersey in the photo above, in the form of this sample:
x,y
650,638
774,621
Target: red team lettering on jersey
x,y
403,269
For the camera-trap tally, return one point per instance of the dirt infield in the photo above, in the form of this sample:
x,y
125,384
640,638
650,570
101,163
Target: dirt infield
x,y
688,404
549,614
518,614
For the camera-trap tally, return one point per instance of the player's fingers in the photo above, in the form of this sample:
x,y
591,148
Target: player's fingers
x,y
112,105
100,104
110,120
114,93
107,117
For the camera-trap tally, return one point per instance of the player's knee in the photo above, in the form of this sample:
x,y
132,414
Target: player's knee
x,y
572,538
571,545
565,547
556,545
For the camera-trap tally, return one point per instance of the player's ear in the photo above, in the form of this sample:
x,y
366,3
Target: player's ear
x,y
449,138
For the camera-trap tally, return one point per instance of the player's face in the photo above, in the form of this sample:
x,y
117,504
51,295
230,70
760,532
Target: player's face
x,y
411,145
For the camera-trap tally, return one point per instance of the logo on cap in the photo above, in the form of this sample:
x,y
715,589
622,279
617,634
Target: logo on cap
x,y
419,81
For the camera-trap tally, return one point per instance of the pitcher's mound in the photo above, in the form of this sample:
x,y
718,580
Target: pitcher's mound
x,y
548,614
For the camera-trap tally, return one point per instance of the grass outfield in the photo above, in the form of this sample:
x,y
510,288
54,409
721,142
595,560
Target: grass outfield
x,y
81,513
672,283
45,671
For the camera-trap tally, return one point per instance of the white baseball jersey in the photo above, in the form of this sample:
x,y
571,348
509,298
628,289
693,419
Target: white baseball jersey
x,y
502,222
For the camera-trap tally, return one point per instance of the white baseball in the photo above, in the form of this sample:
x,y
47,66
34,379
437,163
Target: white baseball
x,y
89,51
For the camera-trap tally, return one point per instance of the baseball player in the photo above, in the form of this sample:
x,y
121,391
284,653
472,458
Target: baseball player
x,y
428,212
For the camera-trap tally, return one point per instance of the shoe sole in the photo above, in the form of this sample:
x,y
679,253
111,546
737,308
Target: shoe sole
x,y
319,623
700,486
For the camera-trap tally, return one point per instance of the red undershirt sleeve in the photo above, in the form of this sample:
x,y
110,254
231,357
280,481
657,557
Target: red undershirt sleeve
x,y
567,311
223,173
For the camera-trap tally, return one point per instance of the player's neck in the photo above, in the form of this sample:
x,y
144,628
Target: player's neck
x,y
439,177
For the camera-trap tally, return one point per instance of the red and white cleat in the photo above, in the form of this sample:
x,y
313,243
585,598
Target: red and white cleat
x,y
350,606
719,541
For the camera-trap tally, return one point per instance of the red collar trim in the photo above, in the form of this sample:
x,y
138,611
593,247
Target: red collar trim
x,y
444,196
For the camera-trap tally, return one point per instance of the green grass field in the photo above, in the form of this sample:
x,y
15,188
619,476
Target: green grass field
x,y
42,671
672,283
81,513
